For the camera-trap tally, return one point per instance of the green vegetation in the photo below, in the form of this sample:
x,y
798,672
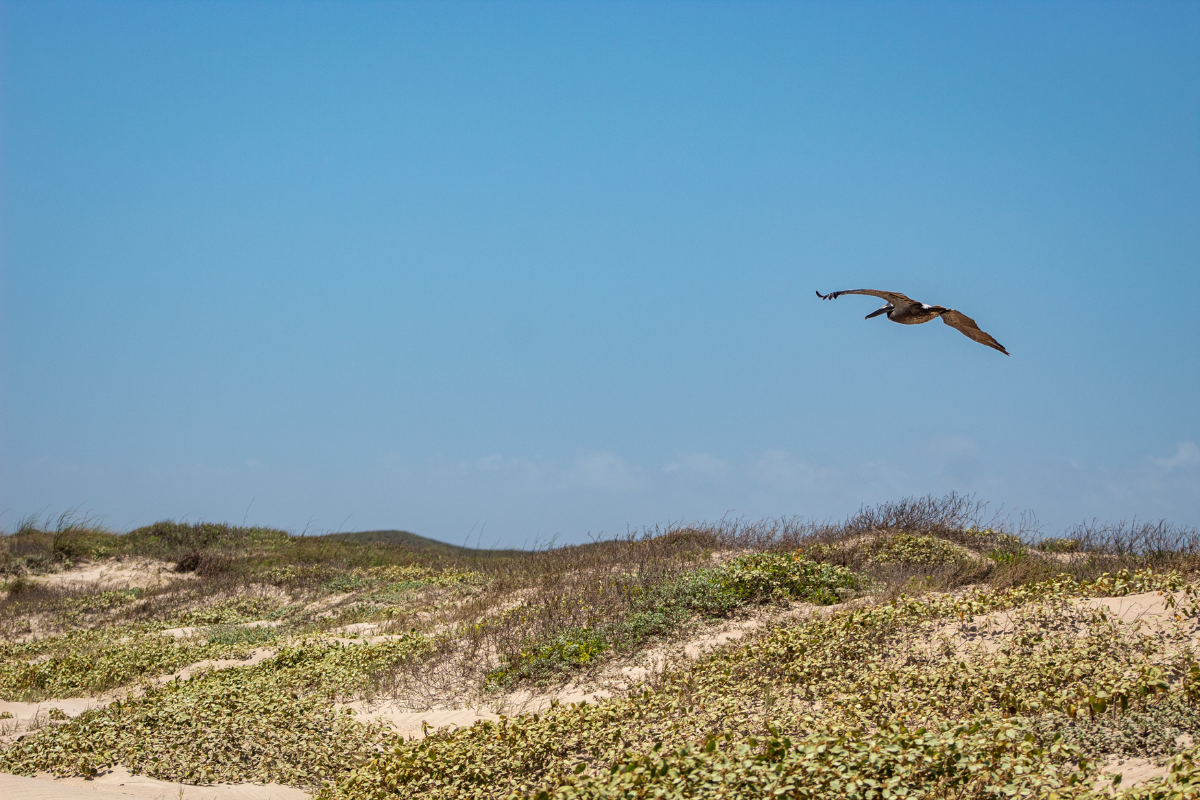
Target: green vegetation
x,y
905,548
34,548
769,576
664,609
1056,544
1150,733
915,650
89,662
412,541
270,722
865,675
212,549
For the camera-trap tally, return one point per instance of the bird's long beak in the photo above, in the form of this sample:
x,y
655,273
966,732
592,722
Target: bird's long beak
x,y
878,311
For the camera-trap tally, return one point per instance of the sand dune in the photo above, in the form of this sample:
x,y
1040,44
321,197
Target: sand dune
x,y
120,784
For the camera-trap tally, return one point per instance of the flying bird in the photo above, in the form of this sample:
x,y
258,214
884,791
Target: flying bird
x,y
903,309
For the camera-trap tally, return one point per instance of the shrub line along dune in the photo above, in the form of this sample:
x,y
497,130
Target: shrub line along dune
x,y
918,649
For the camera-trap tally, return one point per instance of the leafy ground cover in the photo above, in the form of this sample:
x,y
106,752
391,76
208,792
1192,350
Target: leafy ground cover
x,y
660,610
867,675
272,722
918,649
90,662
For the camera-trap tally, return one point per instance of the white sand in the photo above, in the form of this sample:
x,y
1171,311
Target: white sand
x,y
119,784
131,573
31,716
1132,771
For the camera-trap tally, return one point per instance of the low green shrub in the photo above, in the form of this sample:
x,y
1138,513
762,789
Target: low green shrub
x,y
1056,544
1153,732
100,602
339,671
550,659
234,725
240,635
762,577
705,592
907,548
175,540
341,584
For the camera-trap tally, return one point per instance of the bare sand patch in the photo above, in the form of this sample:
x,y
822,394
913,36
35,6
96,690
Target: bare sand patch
x,y
1132,771
417,724
129,573
120,783
28,717
357,628
324,605
1154,610
261,623
1150,613
713,640
182,633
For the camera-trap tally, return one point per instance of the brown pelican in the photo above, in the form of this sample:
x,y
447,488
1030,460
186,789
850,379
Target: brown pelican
x,y
903,309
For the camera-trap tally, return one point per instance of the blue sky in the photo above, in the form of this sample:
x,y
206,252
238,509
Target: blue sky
x,y
518,271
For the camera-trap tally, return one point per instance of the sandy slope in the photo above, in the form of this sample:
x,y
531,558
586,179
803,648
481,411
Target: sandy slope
x,y
120,785
130,573
1151,612
31,716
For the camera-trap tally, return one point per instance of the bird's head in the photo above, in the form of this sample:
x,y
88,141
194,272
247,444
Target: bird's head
x,y
885,310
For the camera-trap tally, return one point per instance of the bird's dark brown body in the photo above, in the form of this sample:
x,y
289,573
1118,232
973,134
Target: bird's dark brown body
x,y
915,314
903,309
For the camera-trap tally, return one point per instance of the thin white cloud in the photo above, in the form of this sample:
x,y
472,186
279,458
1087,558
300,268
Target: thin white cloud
x,y
492,463
605,471
956,446
703,463
601,470
778,468
1187,454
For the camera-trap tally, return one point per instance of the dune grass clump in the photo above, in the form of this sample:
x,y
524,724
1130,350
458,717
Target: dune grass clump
x,y
1058,544
37,547
178,540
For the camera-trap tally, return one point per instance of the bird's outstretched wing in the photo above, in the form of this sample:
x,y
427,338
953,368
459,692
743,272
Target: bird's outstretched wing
x,y
895,298
967,327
